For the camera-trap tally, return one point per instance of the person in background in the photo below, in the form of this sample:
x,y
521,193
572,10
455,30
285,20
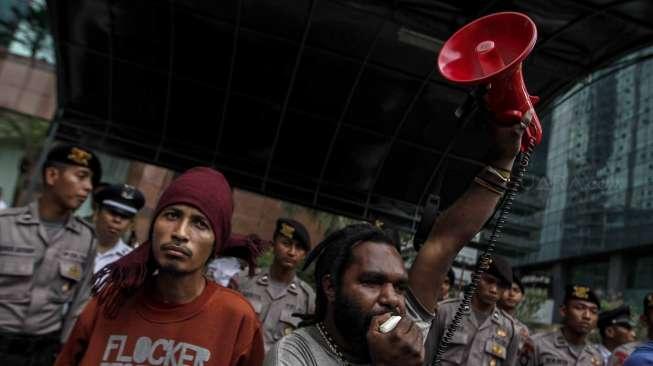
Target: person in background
x,y
487,335
510,302
277,294
621,353
240,251
569,344
448,282
117,205
46,260
615,329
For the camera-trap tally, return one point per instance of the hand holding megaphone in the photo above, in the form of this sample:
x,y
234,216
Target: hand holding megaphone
x,y
490,51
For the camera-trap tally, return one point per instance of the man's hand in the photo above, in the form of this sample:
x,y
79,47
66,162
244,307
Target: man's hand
x,y
402,346
505,142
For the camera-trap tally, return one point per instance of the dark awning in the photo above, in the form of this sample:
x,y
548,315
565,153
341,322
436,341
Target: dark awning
x,y
330,104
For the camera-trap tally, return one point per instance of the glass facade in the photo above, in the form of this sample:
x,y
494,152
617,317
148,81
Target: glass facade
x,y
599,166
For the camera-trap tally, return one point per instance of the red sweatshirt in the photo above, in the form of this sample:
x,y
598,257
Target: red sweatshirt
x,y
219,328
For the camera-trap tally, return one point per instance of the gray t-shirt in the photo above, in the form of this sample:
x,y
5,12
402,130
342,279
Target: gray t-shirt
x,y
53,228
306,346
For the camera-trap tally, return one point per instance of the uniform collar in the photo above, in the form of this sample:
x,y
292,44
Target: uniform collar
x,y
120,248
31,217
561,341
494,317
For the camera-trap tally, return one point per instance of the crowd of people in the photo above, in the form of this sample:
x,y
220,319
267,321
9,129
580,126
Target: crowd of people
x,y
73,292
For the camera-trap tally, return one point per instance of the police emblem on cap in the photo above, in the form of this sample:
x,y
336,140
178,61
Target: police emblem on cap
x,y
581,292
128,192
79,156
379,224
287,230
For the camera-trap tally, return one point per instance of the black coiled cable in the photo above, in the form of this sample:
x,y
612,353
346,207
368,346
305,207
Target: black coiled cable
x,y
504,208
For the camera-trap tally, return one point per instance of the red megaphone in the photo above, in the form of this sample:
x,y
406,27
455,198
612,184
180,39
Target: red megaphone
x,y
490,50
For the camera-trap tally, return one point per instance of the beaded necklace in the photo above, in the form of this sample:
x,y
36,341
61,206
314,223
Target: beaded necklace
x,y
331,343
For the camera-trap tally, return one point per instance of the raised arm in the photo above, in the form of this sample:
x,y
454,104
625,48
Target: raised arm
x,y
458,224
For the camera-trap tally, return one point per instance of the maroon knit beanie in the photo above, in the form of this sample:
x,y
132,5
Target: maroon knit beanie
x,y
208,191
203,188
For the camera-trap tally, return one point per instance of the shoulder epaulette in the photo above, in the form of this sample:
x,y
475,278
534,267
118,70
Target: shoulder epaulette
x,y
14,211
86,224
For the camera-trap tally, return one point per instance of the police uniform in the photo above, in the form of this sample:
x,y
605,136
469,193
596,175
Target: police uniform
x,y
494,342
118,251
277,309
619,316
123,200
621,353
277,312
522,329
44,281
552,348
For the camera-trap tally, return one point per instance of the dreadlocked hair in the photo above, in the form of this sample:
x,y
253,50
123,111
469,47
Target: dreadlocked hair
x,y
333,255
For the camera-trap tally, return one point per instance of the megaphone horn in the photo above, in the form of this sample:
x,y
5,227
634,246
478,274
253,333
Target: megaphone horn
x,y
490,51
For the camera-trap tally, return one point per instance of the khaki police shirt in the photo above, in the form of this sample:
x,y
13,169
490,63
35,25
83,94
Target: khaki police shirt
x,y
276,312
523,332
44,282
552,348
495,342
621,353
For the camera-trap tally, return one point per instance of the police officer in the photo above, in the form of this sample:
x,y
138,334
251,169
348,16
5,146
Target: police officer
x,y
511,300
615,329
46,260
621,353
448,282
277,295
568,345
117,205
487,334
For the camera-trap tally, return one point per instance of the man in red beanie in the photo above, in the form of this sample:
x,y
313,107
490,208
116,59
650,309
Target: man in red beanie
x,y
154,306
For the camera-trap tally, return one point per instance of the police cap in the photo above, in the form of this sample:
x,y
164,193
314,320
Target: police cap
x,y
293,230
580,292
75,155
617,316
122,199
500,268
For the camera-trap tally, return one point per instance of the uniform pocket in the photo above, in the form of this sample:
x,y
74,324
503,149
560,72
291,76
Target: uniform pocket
x,y
287,324
70,273
286,317
495,349
16,273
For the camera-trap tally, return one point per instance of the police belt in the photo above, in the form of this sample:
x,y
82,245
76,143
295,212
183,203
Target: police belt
x,y
17,343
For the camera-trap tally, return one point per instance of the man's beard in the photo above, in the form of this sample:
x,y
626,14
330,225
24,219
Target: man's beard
x,y
352,323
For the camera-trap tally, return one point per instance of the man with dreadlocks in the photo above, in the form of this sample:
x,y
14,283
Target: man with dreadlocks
x,y
361,280
154,306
